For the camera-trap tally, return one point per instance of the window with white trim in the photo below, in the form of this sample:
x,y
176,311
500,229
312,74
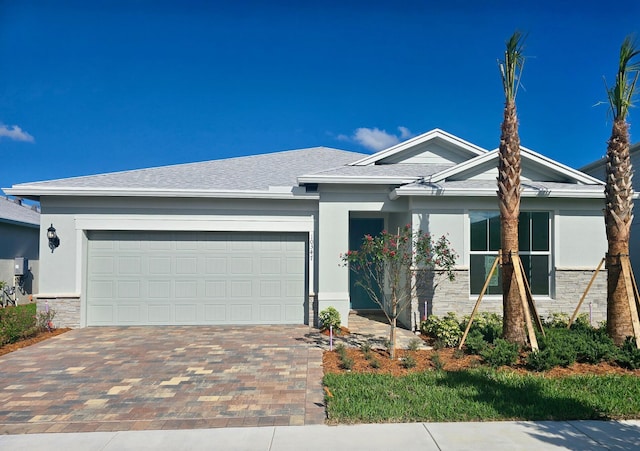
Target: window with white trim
x,y
534,250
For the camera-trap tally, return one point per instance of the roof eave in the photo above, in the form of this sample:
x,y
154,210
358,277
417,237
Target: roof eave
x,y
356,180
491,192
19,223
36,192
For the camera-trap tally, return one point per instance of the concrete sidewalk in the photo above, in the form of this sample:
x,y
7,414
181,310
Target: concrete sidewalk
x,y
540,435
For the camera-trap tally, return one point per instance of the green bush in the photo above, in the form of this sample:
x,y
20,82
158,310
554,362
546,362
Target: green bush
x,y
629,355
488,324
329,317
408,362
17,323
542,360
475,343
501,353
446,330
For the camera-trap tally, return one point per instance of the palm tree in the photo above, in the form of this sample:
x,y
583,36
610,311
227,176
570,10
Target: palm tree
x,y
619,191
513,327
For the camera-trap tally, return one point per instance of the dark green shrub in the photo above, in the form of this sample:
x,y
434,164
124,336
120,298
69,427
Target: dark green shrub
x,y
374,363
629,354
475,343
542,360
501,353
17,323
488,324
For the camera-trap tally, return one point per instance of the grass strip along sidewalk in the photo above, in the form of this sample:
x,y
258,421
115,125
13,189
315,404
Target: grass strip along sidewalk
x,y
481,394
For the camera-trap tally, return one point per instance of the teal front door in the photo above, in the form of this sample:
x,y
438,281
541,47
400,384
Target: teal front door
x,y
358,228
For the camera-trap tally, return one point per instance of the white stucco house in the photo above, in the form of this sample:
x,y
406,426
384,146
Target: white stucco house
x,y
597,169
257,239
19,245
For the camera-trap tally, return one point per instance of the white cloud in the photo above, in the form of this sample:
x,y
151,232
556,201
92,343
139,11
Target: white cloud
x,y
376,139
15,133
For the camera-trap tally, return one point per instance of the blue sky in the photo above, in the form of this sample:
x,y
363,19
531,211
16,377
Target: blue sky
x,y
91,87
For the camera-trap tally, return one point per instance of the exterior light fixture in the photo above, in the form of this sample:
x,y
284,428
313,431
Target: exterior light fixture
x,y
52,236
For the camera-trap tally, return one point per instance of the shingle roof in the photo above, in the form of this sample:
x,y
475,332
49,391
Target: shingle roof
x,y
388,170
15,213
257,172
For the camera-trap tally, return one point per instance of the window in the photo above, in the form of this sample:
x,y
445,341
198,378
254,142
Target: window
x,y
534,237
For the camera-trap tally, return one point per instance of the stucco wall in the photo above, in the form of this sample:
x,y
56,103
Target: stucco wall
x,y
19,241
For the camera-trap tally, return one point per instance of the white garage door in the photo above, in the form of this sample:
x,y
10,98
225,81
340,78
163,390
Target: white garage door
x,y
147,278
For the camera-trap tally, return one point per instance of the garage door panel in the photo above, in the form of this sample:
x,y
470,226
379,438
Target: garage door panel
x,y
186,313
129,313
186,265
195,278
160,265
129,289
241,313
159,313
159,289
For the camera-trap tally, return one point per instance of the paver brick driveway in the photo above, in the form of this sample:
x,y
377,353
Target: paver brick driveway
x,y
127,378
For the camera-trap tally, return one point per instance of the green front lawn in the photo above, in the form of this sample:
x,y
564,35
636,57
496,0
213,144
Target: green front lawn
x,y
480,394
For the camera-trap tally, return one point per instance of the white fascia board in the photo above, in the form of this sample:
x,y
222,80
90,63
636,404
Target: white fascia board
x,y
357,180
150,192
486,192
435,133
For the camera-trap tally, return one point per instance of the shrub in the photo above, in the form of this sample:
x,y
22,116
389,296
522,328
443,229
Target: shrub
x,y
488,324
329,317
475,342
44,320
374,363
437,362
408,362
501,353
17,323
629,354
346,362
556,320
541,360
414,344
446,329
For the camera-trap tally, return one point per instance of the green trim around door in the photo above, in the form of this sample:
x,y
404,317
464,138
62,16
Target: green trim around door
x,y
358,228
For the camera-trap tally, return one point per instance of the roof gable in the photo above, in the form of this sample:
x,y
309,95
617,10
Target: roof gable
x,y
535,168
433,147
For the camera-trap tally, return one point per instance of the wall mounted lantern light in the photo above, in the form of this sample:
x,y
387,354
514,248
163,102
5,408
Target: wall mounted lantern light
x,y
54,241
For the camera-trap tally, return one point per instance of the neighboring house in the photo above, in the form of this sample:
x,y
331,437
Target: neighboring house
x,y
19,238
597,169
257,240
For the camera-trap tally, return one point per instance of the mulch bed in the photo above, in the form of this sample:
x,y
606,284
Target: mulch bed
x,y
40,336
451,361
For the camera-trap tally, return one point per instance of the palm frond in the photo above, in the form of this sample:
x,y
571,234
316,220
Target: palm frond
x,y
512,65
621,94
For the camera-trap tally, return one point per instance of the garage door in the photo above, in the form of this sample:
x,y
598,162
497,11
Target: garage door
x,y
149,278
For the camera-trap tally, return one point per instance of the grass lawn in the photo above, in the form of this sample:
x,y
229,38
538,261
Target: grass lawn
x,y
480,394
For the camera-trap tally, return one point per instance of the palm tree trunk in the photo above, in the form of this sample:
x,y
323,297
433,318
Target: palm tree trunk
x,y
509,169
618,217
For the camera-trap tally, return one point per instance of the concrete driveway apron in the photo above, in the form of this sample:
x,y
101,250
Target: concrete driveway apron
x,y
129,378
